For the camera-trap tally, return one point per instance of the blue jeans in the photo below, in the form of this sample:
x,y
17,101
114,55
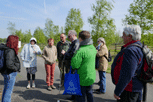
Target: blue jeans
x,y
9,81
102,77
86,91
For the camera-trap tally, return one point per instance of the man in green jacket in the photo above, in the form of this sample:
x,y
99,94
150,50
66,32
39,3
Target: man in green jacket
x,y
84,62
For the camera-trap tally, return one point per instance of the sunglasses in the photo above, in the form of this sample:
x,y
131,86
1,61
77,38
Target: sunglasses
x,y
68,36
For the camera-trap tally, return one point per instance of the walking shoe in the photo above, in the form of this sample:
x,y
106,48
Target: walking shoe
x,y
53,87
71,98
61,85
33,85
49,88
28,86
97,91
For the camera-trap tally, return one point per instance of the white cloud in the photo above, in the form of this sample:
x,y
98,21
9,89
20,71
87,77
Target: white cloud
x,y
14,18
45,7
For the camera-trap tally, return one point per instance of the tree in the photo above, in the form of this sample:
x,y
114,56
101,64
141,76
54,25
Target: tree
x,y
49,28
74,21
19,34
102,25
11,28
27,36
39,35
140,13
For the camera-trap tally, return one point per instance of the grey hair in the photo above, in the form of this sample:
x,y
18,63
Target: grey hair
x,y
73,32
133,30
102,40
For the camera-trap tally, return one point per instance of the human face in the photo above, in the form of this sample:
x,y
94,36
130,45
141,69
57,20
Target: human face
x,y
98,42
32,42
63,37
70,37
80,40
51,43
126,39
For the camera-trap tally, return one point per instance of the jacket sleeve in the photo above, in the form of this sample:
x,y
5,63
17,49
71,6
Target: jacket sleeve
x,y
55,53
69,54
38,50
76,60
128,68
45,56
22,54
101,52
10,60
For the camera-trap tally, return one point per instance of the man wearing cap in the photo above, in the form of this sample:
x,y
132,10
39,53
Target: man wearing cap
x,y
29,57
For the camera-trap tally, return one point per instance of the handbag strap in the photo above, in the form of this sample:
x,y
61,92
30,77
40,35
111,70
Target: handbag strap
x,y
74,72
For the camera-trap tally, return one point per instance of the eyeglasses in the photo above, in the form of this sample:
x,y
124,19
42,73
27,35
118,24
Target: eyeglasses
x,y
68,36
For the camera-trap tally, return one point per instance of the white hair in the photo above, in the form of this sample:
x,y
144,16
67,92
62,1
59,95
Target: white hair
x,y
102,40
73,32
133,30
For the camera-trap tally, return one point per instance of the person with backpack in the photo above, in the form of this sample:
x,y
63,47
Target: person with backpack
x,y
102,53
11,65
127,65
29,57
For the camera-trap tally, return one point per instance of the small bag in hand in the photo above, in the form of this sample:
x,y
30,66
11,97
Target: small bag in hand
x,y
72,84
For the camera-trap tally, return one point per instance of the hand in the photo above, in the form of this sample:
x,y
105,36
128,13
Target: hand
x,y
63,52
116,97
34,47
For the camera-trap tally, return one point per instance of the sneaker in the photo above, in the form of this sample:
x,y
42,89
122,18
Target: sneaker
x,y
28,86
53,87
33,85
49,88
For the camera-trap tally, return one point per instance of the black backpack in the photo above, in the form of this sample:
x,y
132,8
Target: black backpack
x,y
109,59
1,60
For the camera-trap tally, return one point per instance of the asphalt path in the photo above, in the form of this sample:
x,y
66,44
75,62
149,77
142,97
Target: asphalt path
x,y
41,94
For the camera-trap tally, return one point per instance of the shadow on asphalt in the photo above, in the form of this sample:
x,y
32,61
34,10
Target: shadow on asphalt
x,y
39,83
38,95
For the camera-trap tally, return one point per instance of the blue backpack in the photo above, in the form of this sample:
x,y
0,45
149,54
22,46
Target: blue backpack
x,y
1,60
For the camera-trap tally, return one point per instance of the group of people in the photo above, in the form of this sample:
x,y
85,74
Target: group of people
x,y
83,57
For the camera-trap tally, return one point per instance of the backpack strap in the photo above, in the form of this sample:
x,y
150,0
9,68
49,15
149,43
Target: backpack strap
x,y
106,57
135,45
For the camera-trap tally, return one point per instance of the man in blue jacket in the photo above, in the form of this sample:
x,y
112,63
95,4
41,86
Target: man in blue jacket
x,y
126,64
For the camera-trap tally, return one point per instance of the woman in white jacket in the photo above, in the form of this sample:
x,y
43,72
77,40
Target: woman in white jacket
x,y
29,57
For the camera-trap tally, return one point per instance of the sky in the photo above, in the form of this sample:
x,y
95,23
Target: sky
x,y
29,14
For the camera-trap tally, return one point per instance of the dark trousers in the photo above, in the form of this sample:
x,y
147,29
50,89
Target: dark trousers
x,y
86,91
29,77
63,67
127,96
